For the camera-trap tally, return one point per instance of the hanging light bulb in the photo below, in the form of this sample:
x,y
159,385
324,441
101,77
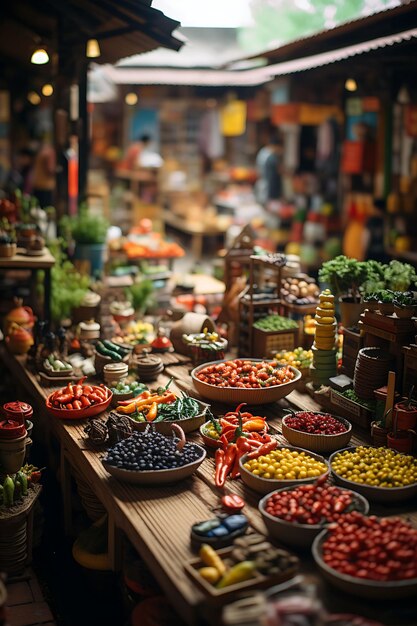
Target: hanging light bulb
x,y
39,57
93,49
47,90
131,98
350,84
34,98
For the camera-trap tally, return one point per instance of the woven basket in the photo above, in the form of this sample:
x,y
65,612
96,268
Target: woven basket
x,y
317,443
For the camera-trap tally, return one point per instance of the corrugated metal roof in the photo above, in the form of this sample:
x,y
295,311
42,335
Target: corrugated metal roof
x,y
257,76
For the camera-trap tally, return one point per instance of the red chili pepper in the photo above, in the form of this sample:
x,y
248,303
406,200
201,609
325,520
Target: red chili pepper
x,y
78,391
77,404
242,447
96,398
64,399
229,459
85,401
265,448
68,406
219,458
232,502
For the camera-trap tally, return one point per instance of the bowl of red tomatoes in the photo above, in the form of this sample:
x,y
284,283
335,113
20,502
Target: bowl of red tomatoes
x,y
254,381
296,515
369,557
316,431
78,401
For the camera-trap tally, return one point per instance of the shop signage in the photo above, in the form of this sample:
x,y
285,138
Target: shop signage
x,y
233,118
285,114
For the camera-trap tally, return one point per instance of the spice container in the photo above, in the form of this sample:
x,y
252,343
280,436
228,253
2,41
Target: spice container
x,y
89,330
13,438
114,373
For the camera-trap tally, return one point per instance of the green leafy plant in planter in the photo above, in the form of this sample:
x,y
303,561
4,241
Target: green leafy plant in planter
x,y
89,233
404,304
345,276
141,294
399,276
68,286
375,277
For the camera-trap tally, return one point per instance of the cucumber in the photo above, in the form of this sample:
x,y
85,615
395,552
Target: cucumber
x,y
115,348
101,349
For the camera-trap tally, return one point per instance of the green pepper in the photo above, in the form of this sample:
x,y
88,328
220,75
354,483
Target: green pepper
x,y
21,478
8,491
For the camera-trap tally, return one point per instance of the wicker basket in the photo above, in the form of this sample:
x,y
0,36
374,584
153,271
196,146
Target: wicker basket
x,y
267,342
317,443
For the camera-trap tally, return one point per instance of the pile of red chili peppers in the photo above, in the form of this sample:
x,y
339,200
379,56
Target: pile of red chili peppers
x,y
240,435
79,396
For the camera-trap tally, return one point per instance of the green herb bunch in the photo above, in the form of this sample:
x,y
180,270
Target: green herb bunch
x,y
84,228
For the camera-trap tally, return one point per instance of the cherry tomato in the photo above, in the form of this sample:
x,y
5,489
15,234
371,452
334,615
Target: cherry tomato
x,y
232,502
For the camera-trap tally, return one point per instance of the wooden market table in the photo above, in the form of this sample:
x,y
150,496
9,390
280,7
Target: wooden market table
x,y
22,261
157,520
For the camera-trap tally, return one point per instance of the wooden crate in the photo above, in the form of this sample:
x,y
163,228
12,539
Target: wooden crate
x,y
268,343
354,412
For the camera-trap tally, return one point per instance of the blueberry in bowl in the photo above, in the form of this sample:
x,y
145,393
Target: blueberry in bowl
x,y
149,457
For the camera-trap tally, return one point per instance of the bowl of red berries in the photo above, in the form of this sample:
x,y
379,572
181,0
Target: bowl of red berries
x,y
316,431
296,515
369,557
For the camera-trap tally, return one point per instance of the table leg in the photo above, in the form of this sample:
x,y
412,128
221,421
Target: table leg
x,y
66,491
47,295
114,544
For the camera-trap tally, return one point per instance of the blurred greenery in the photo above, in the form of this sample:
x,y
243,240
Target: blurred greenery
x,y
280,21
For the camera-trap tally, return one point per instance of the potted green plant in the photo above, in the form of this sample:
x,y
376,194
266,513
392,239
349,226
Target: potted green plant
x,y
386,302
399,276
404,304
345,277
89,233
371,301
8,245
140,294
68,286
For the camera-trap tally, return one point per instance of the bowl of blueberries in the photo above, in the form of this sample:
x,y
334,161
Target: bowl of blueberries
x,y
151,458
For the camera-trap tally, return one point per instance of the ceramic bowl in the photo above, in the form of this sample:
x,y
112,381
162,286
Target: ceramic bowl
x,y
234,395
78,414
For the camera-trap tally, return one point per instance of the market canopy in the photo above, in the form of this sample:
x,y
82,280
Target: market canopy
x,y
122,28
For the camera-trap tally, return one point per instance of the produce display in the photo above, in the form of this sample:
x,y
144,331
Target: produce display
x,y
372,548
251,555
274,323
78,396
205,346
351,395
312,504
54,364
159,406
285,464
299,358
377,467
136,332
150,451
324,347
111,350
315,423
220,530
225,428
300,290
124,387
245,373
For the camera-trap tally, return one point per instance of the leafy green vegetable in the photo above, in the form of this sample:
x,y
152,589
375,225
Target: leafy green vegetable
x,y
275,322
399,276
183,408
344,275
84,227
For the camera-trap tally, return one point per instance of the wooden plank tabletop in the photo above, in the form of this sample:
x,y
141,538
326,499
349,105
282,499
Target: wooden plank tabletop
x,y
25,262
157,520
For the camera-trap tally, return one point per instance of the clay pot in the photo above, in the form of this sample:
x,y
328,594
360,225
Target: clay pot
x,y
401,441
18,340
20,315
7,250
406,418
379,434
191,323
13,439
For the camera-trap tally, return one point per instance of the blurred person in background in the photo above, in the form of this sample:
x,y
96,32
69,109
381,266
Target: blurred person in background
x,y
44,172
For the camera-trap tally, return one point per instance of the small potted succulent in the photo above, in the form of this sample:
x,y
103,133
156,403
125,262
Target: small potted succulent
x,y
406,412
8,245
386,302
405,304
371,301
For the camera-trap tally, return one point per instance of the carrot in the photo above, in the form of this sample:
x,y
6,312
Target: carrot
x,y
138,406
